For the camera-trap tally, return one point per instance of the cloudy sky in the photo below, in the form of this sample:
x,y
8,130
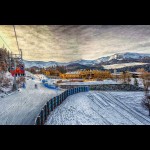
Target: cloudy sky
x,y
64,43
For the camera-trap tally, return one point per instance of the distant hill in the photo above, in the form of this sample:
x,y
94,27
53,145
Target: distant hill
x,y
119,58
133,68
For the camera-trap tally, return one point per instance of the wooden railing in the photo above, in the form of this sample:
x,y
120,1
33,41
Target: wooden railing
x,y
56,101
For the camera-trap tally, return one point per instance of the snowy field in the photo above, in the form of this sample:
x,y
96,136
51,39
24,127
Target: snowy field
x,y
102,82
91,82
101,108
116,66
21,108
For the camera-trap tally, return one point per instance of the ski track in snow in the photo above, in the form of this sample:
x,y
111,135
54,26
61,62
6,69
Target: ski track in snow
x,y
99,108
85,108
21,108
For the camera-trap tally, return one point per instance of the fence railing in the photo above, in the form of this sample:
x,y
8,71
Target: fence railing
x,y
56,101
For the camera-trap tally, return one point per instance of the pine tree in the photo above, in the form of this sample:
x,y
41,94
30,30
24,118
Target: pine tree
x,y
136,82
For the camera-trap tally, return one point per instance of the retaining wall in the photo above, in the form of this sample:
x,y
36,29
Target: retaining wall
x,y
107,87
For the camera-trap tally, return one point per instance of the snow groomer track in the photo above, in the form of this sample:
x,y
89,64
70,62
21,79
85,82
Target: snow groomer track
x,y
96,108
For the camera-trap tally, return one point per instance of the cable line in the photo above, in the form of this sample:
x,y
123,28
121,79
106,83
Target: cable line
x,y
16,38
4,42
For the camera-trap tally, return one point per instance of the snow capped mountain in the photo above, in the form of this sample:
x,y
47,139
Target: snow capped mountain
x,y
41,64
118,56
129,56
82,62
102,59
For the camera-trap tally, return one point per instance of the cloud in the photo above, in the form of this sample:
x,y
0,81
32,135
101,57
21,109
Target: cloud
x,y
66,43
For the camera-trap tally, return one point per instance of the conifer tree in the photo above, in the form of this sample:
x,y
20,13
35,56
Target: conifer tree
x,y
136,82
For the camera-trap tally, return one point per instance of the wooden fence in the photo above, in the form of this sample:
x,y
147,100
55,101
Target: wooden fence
x,y
56,101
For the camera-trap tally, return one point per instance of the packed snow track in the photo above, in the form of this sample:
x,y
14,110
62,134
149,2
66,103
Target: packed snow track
x,y
21,108
98,108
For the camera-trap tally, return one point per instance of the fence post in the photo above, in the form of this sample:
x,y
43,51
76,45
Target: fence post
x,y
79,89
57,100
66,93
42,117
48,108
54,102
45,113
73,90
60,98
84,89
88,88
63,97
38,121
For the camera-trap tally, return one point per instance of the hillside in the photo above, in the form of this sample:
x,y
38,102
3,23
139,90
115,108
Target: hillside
x,y
113,59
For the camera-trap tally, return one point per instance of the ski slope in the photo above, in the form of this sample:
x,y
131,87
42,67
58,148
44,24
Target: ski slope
x,y
21,108
100,108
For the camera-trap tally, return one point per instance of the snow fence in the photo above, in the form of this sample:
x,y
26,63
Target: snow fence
x,y
56,101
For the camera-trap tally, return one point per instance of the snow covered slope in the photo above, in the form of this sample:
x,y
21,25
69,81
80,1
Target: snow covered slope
x,y
21,108
129,55
91,82
116,66
101,108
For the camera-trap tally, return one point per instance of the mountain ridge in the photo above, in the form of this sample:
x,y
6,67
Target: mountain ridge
x,y
112,59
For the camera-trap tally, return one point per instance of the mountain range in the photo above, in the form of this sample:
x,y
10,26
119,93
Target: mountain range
x,y
109,60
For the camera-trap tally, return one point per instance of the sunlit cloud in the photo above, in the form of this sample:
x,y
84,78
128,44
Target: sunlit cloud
x,y
65,43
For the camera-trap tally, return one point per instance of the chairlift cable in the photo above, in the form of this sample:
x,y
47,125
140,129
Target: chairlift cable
x,y
5,42
16,39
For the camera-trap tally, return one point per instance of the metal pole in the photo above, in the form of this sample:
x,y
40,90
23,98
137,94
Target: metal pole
x,y
14,84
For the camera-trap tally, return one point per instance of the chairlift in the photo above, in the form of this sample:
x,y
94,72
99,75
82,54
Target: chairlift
x,y
19,69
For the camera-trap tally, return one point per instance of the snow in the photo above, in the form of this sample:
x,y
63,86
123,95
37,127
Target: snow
x,y
101,108
91,82
128,55
7,88
22,107
132,100
116,66
139,81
